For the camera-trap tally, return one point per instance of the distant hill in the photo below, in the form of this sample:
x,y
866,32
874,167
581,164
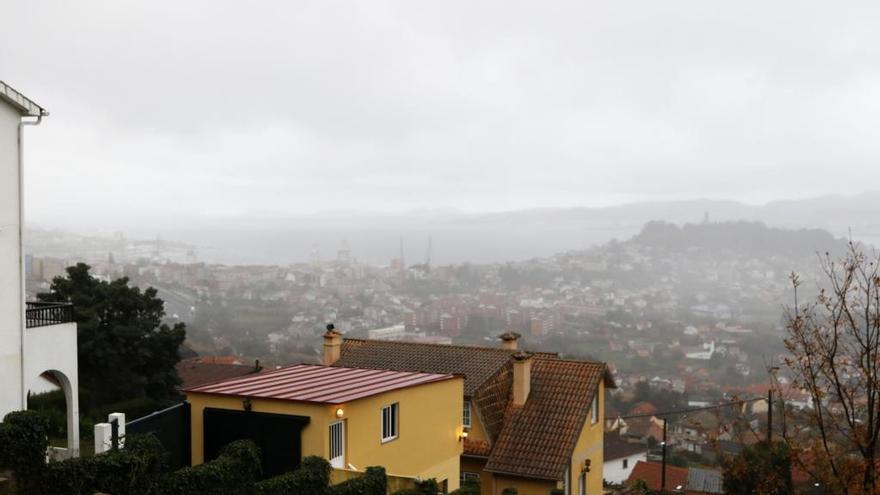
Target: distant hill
x,y
481,237
749,238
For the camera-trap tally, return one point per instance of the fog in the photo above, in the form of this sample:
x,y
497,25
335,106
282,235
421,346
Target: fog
x,y
172,116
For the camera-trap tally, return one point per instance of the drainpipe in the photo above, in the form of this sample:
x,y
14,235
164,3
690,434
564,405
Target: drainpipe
x,y
21,256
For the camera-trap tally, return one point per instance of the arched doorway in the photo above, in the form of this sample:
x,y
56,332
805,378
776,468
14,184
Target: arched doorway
x,y
43,395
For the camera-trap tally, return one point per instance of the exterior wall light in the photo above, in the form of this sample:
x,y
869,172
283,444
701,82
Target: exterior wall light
x,y
463,436
339,412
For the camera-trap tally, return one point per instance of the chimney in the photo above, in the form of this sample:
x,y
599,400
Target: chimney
x,y
509,340
332,346
522,377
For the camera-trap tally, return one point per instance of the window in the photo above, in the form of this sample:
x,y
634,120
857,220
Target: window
x,y
466,415
337,444
625,463
467,476
594,410
389,422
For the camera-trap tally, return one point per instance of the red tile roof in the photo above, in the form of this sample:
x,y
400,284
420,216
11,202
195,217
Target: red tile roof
x,y
538,438
319,384
477,448
199,371
477,364
650,473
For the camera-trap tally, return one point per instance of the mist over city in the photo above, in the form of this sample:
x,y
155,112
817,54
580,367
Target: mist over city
x,y
556,249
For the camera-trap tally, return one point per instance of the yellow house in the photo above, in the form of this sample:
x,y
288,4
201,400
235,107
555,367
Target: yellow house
x,y
534,421
407,422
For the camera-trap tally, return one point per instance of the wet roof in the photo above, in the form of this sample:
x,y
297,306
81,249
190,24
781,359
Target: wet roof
x,y
319,384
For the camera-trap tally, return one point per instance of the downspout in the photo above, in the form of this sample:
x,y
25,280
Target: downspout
x,y
21,255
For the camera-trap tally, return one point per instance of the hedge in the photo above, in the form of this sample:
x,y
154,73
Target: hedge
x,y
232,473
134,470
24,440
372,482
427,487
312,476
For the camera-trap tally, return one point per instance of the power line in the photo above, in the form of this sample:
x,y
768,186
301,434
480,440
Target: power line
x,y
694,409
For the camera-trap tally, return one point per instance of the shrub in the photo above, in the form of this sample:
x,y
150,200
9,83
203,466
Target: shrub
x,y
427,487
134,470
372,482
509,491
232,473
312,477
23,443
469,487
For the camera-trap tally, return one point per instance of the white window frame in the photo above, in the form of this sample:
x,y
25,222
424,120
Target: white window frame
x,y
467,415
339,460
594,410
392,422
468,475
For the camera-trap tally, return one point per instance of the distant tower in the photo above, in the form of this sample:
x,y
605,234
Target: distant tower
x,y
705,217
191,256
315,256
344,253
402,262
428,254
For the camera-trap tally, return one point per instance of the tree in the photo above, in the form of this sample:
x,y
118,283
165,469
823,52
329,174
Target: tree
x,y
760,469
125,351
834,346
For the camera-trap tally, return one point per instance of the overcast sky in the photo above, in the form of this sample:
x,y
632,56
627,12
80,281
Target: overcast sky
x,y
291,107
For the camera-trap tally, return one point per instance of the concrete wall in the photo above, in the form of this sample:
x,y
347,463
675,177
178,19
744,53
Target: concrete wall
x,y
427,445
11,295
52,350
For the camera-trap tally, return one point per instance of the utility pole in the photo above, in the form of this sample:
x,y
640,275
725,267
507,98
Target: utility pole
x,y
663,469
769,416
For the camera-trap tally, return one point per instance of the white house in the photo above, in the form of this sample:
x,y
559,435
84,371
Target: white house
x,y
620,457
37,340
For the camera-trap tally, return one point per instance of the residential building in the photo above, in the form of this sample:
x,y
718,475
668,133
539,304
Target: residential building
x,y
534,421
37,341
690,481
621,458
407,422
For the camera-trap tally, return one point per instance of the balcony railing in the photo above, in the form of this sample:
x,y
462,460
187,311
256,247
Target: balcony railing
x,y
41,314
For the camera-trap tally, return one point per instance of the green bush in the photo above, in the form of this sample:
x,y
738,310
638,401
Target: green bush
x,y
469,487
311,477
23,444
232,473
509,491
372,482
427,487
134,470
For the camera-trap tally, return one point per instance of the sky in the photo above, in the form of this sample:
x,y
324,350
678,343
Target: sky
x,y
221,108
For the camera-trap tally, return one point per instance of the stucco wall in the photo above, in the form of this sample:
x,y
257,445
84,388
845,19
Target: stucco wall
x,y
427,445
11,303
590,446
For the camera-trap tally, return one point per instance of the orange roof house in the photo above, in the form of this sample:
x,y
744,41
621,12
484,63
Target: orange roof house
x,y
534,420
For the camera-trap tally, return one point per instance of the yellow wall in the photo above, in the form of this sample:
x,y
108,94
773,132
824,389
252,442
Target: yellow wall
x,y
476,432
524,486
427,445
589,446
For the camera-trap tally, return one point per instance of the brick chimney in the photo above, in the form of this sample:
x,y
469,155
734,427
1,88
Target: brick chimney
x,y
509,340
332,346
522,377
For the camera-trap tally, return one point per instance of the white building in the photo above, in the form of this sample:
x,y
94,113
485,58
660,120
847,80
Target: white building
x,y
620,457
37,341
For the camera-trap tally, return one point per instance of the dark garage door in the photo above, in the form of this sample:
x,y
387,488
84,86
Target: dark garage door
x,y
277,435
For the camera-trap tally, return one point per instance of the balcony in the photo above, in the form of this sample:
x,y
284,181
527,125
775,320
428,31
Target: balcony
x,y
41,314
